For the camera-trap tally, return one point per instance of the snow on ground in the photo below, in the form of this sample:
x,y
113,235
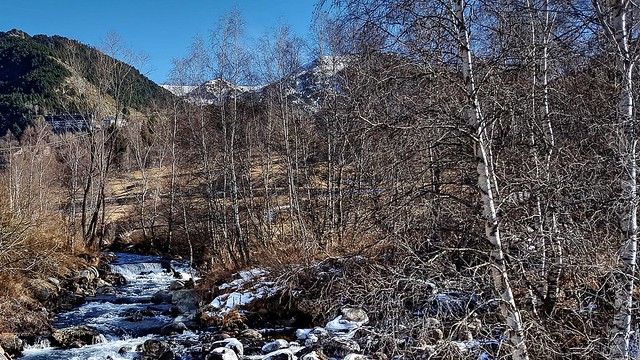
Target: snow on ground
x,y
249,286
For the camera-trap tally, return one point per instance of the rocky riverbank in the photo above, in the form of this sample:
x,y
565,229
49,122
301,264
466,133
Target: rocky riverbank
x,y
44,298
179,320
143,307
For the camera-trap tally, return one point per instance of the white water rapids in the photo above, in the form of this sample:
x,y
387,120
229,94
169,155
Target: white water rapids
x,y
110,314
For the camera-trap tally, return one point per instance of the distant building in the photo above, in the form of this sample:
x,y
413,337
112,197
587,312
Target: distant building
x,y
69,122
110,120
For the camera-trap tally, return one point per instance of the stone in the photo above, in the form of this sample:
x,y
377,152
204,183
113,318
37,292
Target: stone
x,y
275,345
185,300
176,285
310,356
107,290
173,328
162,296
251,334
311,339
356,315
90,274
342,326
135,316
230,343
355,357
54,281
157,350
44,290
340,347
282,354
321,332
11,343
221,353
3,355
77,336
311,353
302,334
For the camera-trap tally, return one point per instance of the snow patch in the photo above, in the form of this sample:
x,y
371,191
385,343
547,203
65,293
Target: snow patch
x,y
248,287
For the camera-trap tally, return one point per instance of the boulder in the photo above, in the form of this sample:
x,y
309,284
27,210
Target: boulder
x,y
341,326
356,315
108,257
340,347
107,290
162,296
89,274
43,290
251,334
221,353
282,354
313,355
230,343
321,332
77,336
313,352
176,285
355,357
68,300
311,339
134,316
302,334
275,345
173,328
348,322
113,278
156,349
3,355
11,343
186,300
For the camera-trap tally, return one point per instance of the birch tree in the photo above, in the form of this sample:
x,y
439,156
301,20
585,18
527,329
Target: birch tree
x,y
616,19
230,55
482,148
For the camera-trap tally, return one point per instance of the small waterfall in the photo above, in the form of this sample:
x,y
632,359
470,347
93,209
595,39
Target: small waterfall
x,y
100,339
39,344
132,271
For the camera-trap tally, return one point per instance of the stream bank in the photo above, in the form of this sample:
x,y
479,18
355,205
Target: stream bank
x,y
149,309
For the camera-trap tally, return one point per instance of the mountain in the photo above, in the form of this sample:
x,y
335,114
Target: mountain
x,y
179,90
52,74
212,91
305,87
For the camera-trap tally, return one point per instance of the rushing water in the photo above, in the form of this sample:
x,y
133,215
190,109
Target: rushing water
x,y
111,314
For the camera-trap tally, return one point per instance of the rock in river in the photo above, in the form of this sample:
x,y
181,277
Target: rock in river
x,y
77,336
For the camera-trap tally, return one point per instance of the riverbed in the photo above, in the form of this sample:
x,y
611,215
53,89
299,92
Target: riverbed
x,y
126,318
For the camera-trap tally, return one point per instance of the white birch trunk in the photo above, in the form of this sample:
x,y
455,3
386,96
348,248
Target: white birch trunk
x,y
621,330
515,329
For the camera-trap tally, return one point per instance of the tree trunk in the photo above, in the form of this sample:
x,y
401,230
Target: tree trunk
x,y
515,329
621,331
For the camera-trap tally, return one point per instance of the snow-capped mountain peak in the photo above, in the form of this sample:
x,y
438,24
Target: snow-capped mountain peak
x,y
303,88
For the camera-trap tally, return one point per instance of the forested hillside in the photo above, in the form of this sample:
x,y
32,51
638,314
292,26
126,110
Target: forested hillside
x,y
43,75
466,172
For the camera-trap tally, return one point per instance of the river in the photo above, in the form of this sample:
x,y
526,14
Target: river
x,y
126,318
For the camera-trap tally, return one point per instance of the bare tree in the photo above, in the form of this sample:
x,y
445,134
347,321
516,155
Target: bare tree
x,y
617,22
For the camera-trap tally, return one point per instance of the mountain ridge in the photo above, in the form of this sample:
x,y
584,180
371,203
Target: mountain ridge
x,y
303,86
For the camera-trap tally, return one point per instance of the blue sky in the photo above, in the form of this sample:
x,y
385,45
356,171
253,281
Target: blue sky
x,y
162,30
